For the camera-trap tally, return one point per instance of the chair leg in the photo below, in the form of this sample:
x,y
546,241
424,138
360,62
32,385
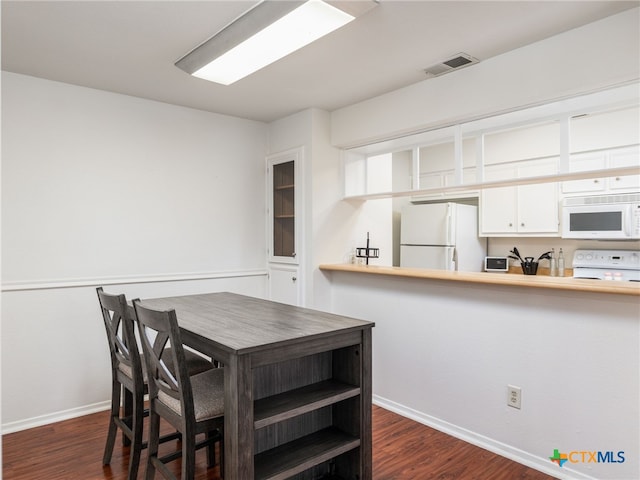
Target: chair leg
x,y
137,421
188,456
127,413
113,428
154,440
211,448
221,453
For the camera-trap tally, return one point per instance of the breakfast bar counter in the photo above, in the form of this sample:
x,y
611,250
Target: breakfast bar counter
x,y
511,279
448,345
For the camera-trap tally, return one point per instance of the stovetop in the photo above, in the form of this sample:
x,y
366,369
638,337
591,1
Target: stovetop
x,y
620,265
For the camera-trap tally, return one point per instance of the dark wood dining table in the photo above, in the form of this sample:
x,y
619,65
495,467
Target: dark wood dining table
x,y
297,384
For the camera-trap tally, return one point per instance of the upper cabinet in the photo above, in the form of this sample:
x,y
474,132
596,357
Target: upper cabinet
x,y
578,140
521,153
429,161
530,210
604,140
284,202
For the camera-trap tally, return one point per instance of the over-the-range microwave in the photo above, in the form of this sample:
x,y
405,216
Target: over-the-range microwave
x,y
602,217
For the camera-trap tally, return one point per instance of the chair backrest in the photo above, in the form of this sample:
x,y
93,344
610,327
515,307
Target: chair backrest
x,y
118,321
162,346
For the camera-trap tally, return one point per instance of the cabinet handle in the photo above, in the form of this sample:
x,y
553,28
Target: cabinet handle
x,y
510,224
293,279
596,181
617,179
522,224
293,254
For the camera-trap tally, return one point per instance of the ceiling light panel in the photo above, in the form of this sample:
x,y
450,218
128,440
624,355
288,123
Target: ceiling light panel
x,y
265,34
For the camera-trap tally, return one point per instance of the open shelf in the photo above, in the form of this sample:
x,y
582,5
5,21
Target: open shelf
x,y
301,400
304,453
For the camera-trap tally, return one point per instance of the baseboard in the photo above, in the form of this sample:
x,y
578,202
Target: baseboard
x,y
542,464
20,425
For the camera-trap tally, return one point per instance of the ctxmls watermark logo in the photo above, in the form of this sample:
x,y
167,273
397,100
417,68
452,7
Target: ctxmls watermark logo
x,y
582,456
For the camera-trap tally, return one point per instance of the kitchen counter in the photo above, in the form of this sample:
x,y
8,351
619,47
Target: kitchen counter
x,y
516,280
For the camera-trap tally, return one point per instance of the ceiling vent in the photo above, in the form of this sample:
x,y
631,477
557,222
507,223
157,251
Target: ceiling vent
x,y
457,62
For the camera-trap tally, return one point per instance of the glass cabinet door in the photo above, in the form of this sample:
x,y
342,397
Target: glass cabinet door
x,y
284,221
284,210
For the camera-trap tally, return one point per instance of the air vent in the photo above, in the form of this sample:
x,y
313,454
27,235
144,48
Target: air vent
x,y
461,60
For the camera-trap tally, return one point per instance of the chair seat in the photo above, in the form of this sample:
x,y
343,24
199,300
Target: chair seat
x,y
195,364
208,395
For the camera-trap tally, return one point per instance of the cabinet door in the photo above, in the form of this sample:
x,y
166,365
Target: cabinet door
x,y
284,200
498,206
284,285
583,163
628,157
538,203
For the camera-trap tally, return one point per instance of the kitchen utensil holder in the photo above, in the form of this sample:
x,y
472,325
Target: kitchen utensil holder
x,y
530,268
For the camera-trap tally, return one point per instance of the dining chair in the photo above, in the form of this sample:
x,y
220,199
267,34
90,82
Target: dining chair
x,y
194,405
129,376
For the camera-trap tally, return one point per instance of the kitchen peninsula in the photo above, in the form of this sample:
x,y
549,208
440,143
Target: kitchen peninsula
x,y
448,344
516,280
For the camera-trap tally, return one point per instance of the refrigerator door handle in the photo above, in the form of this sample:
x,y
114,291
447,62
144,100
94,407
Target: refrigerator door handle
x,y
454,259
449,222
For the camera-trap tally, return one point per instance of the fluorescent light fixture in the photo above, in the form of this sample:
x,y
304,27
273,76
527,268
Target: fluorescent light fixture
x,y
266,33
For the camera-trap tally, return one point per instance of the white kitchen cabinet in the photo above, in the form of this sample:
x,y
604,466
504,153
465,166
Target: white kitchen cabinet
x,y
582,163
626,157
284,284
284,221
612,158
530,210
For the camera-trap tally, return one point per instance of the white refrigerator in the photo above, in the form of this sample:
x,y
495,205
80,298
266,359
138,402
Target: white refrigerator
x,y
441,236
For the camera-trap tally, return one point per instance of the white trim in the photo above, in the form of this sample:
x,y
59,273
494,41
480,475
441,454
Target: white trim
x,y
20,425
98,281
510,182
541,464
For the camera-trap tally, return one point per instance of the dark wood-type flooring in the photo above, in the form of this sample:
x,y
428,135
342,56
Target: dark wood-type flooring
x,y
402,450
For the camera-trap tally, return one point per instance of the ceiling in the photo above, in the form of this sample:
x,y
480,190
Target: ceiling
x,y
130,47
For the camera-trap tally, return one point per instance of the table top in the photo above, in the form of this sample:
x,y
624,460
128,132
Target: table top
x,y
243,324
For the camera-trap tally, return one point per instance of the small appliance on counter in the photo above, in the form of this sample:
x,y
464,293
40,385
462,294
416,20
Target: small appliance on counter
x,y
496,264
621,265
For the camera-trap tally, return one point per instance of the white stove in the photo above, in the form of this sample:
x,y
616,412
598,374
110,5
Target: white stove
x,y
620,265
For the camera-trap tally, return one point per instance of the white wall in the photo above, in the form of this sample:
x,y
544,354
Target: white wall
x,y
333,228
589,58
97,184
444,353
100,188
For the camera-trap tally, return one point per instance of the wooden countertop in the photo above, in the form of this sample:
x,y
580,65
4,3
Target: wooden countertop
x,y
516,280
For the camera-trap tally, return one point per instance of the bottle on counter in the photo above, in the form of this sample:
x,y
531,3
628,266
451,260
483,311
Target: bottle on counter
x,y
560,263
553,266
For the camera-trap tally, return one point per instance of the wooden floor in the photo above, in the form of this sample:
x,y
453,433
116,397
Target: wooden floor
x,y
402,449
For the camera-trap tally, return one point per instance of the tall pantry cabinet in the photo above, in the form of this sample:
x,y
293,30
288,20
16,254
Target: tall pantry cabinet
x,y
284,222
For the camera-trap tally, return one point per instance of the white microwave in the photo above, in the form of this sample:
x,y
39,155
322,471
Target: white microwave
x,y
601,217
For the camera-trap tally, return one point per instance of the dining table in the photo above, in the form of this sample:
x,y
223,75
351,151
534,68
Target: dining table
x,y
297,384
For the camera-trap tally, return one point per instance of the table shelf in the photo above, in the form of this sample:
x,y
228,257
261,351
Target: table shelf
x,y
299,455
283,406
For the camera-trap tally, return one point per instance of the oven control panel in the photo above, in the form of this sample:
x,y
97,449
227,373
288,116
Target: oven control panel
x,y
618,259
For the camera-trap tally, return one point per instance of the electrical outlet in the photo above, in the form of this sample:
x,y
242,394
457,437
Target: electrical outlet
x,y
514,396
